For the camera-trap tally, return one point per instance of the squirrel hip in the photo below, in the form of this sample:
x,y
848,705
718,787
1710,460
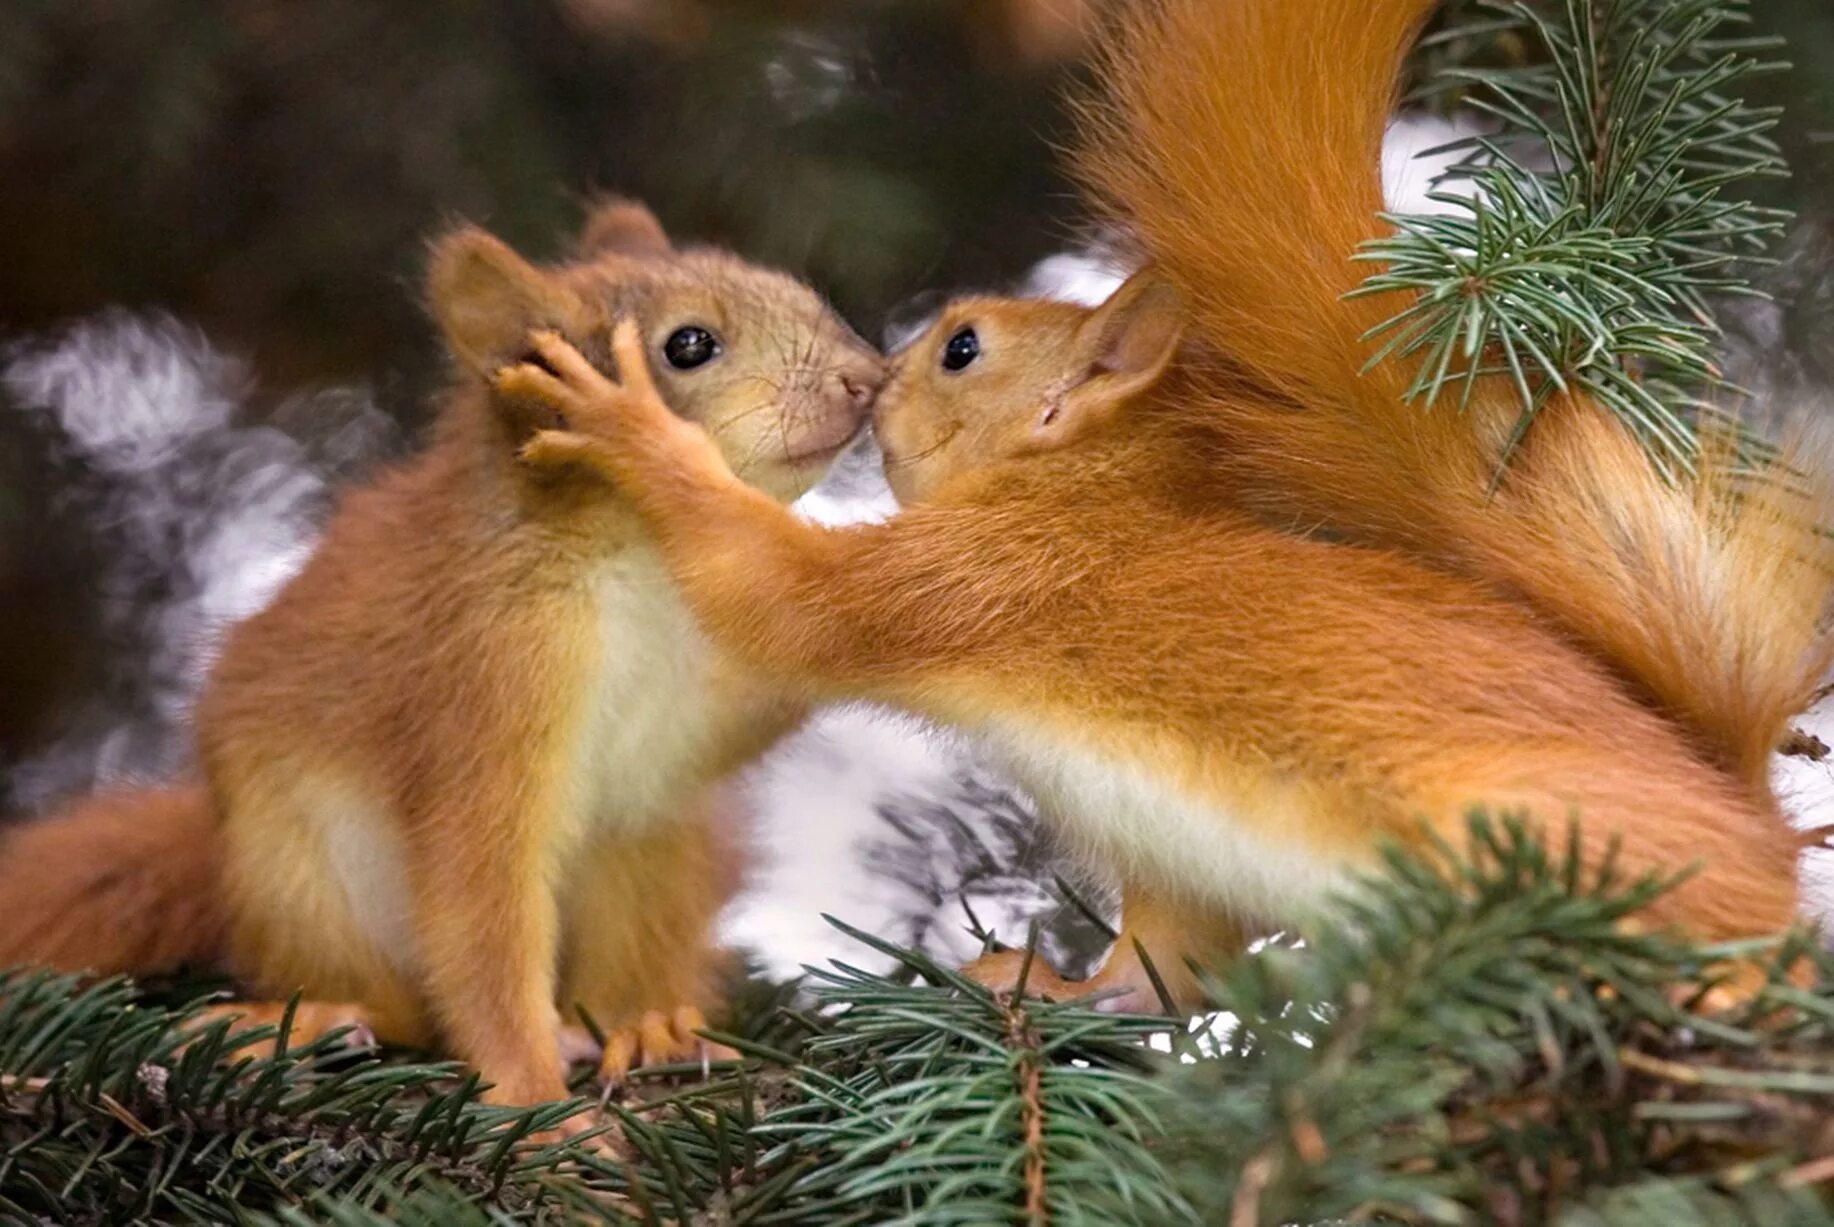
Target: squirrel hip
x,y
1234,717
1240,142
464,771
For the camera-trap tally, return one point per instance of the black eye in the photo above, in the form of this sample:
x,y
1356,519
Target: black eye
x,y
690,347
964,347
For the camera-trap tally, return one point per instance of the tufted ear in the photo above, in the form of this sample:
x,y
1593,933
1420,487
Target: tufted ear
x,y
487,298
623,227
1122,350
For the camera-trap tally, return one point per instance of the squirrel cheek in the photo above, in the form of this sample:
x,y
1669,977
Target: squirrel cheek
x,y
1053,410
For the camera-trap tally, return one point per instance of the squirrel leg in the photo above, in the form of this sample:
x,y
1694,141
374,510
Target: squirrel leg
x,y
311,1020
640,914
1743,858
488,932
490,949
1172,932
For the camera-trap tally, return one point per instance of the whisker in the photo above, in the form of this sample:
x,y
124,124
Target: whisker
x,y
733,419
892,462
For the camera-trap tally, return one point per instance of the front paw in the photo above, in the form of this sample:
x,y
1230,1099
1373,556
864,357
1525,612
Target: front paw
x,y
557,377
547,449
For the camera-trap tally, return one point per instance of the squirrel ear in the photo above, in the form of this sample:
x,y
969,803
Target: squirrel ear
x,y
624,227
487,298
1132,336
1126,344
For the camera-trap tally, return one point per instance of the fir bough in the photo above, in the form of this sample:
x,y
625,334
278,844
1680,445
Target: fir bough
x,y
1478,1039
1601,213
941,1103
117,1110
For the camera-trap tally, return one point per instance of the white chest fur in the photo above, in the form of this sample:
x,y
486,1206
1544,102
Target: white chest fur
x,y
661,704
1245,857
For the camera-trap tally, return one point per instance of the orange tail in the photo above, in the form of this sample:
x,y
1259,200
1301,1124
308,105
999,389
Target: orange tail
x,y
119,883
1240,140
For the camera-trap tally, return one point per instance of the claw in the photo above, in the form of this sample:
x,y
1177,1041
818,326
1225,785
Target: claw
x,y
659,1038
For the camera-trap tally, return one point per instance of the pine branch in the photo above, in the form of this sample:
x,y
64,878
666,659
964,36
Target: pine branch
x,y
1481,1041
116,1110
1478,1040
940,1103
1603,218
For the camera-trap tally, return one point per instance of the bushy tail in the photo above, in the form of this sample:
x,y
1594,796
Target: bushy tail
x,y
1240,140
119,883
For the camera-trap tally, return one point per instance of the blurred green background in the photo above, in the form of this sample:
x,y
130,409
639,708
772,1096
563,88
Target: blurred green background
x,y
272,169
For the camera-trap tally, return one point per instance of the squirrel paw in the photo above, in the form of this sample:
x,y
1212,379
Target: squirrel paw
x,y
616,428
312,1020
1738,985
582,397
1130,989
999,971
609,1145
659,1038
554,448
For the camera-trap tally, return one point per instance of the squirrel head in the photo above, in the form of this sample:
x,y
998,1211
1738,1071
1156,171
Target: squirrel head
x,y
752,355
998,378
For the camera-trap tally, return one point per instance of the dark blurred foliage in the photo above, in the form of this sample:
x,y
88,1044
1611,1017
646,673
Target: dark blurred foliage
x,y
272,169
1804,285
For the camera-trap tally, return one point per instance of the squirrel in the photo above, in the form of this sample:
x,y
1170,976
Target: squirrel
x,y
463,774
1708,602
1099,576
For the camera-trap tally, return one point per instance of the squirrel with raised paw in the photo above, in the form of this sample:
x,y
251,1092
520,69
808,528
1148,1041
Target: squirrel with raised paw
x,y
1227,606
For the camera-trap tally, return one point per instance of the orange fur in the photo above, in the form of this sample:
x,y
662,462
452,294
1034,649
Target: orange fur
x,y
1178,939
465,761
119,882
1233,716
1240,141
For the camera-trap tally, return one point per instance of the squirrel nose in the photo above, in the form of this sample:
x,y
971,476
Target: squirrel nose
x,y
858,390
861,387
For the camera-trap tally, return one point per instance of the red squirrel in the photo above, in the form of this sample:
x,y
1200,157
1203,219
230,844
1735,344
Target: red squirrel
x,y
462,775
1239,141
1099,577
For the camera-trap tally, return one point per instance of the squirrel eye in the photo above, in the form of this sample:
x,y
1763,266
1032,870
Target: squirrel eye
x,y
690,347
964,347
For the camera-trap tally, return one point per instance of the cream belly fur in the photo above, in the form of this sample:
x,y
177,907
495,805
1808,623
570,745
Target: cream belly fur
x,y
651,723
1183,845
367,859
331,945
664,706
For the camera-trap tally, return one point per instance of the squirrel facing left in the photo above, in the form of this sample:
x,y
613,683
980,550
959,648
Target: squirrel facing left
x,y
464,773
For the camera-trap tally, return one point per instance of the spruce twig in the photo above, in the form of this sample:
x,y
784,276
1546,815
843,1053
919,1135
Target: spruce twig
x,y
1481,1040
1603,217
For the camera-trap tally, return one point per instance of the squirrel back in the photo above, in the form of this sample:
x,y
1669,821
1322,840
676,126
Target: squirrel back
x,y
1240,142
